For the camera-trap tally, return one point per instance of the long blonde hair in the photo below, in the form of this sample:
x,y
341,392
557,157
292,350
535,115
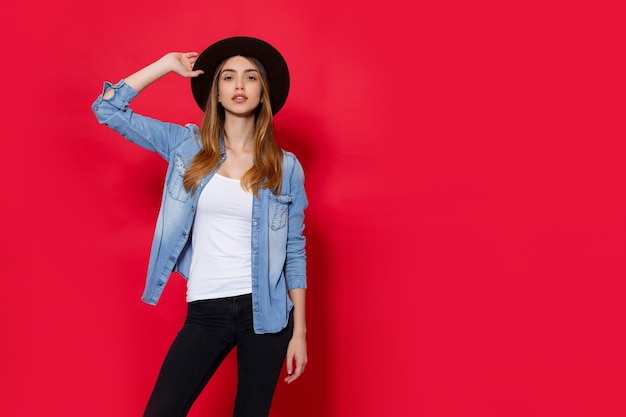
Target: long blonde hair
x,y
268,157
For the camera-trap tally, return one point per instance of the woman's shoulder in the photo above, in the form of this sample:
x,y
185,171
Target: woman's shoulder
x,y
194,131
289,158
191,143
289,161
292,169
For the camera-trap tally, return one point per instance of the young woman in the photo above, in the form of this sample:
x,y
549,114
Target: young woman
x,y
231,222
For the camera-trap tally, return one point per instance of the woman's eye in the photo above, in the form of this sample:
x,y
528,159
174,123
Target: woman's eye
x,y
228,77
252,77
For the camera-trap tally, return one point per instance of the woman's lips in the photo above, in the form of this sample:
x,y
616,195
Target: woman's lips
x,y
239,98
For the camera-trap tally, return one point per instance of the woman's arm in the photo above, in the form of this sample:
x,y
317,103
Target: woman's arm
x,y
297,350
112,107
180,63
295,271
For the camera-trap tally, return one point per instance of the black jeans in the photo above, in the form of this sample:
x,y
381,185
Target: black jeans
x,y
211,330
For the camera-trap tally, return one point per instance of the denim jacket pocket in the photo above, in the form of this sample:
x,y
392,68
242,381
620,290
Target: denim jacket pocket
x,y
279,210
175,187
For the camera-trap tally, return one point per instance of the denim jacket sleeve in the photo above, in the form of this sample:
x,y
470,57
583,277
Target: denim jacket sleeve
x,y
295,263
151,134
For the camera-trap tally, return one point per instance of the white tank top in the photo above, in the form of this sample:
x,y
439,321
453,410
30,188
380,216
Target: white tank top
x,y
221,258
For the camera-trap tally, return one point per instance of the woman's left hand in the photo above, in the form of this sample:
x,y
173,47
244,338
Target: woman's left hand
x,y
296,358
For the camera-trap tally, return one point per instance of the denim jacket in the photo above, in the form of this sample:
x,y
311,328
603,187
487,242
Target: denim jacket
x,y
278,244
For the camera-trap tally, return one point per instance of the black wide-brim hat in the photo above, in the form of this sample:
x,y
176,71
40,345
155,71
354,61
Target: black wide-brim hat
x,y
273,62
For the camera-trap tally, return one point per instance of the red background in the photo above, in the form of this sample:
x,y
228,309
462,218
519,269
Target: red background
x,y
465,167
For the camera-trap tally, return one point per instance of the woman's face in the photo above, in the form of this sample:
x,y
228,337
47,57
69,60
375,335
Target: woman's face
x,y
239,87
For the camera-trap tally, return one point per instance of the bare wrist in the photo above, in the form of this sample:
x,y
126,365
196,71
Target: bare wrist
x,y
298,332
166,63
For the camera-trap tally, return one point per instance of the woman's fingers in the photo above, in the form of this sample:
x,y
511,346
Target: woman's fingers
x,y
295,367
188,59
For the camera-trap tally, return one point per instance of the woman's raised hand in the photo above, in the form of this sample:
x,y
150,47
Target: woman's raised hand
x,y
179,62
182,63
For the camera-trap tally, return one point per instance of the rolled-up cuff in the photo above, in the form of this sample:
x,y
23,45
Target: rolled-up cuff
x,y
123,94
296,281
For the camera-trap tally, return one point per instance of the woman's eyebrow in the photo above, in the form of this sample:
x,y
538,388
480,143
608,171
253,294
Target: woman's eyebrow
x,y
232,70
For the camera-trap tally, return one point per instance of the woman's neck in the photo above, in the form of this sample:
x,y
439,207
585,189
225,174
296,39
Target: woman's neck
x,y
239,133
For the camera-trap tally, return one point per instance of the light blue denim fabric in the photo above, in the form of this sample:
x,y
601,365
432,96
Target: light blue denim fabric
x,y
278,243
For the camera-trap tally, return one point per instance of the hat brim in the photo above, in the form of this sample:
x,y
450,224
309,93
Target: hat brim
x,y
273,62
